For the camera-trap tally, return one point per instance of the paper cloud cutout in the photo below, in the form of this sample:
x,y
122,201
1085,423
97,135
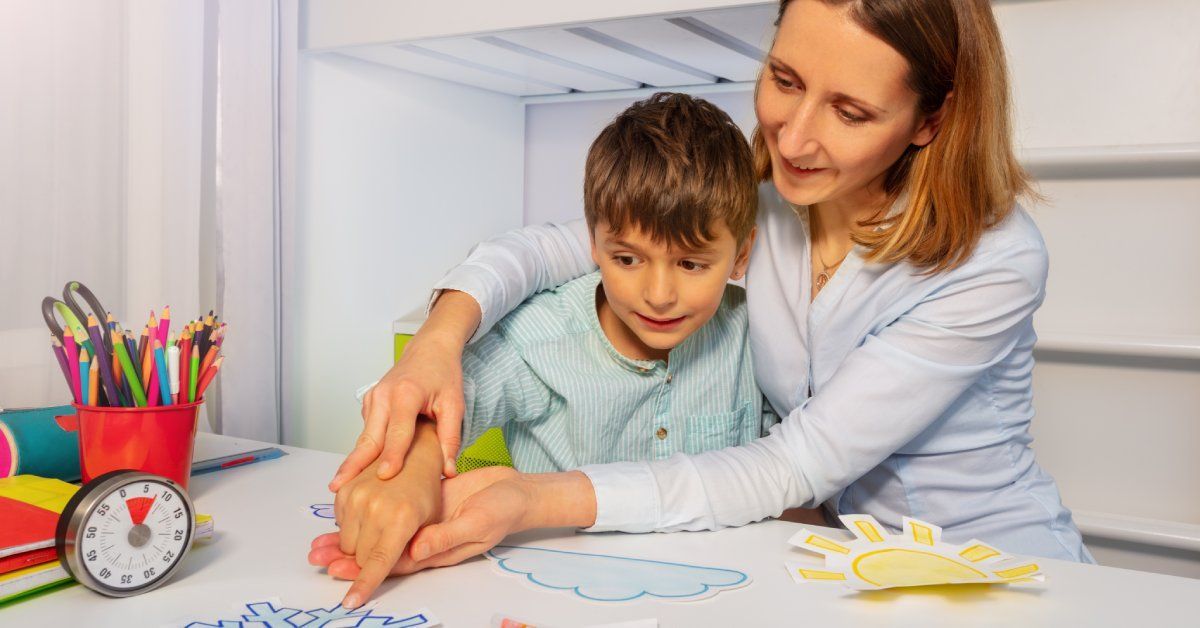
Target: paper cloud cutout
x,y
604,578
324,511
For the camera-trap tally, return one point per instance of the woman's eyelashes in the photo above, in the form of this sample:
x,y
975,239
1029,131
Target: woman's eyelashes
x,y
783,80
850,118
787,83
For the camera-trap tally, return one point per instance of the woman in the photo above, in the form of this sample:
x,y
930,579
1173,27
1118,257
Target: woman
x,y
891,297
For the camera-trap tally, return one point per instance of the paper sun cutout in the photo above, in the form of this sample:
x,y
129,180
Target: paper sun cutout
x,y
604,578
876,559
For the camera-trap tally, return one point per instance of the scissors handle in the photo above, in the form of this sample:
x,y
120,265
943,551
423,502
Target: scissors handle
x,y
97,309
48,304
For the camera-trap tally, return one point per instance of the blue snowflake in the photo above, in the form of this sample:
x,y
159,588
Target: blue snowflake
x,y
266,615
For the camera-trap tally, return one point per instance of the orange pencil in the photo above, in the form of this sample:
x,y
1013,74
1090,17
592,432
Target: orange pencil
x,y
208,377
94,382
208,360
147,360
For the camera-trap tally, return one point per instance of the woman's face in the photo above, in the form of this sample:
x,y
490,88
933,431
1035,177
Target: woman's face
x,y
834,107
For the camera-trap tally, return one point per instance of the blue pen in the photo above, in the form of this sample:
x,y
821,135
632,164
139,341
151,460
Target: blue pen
x,y
160,365
237,460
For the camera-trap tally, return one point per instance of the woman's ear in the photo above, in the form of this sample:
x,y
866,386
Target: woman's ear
x,y
743,257
932,124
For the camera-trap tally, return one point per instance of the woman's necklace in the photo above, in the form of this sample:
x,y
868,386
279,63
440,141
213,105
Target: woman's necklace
x,y
827,271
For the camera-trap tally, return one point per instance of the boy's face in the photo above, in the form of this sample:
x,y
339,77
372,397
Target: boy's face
x,y
662,293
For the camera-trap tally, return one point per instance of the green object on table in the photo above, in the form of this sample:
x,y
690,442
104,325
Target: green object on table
x,y
489,450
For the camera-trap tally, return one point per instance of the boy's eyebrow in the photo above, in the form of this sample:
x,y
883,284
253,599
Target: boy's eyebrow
x,y
682,249
836,95
624,245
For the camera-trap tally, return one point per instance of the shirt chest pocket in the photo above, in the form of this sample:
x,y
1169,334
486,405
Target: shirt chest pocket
x,y
715,431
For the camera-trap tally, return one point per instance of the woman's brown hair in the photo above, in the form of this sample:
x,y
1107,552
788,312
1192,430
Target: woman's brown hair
x,y
965,180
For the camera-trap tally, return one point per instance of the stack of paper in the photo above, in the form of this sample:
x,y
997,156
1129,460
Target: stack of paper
x,y
29,506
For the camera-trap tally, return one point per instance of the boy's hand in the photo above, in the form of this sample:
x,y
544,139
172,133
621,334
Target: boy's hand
x,y
485,516
427,380
377,518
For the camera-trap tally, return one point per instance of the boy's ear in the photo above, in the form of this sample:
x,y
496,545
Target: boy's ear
x,y
743,256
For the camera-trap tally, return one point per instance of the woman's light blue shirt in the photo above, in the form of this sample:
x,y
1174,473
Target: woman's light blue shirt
x,y
903,393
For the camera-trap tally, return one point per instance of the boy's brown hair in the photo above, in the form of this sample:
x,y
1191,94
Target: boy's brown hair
x,y
671,165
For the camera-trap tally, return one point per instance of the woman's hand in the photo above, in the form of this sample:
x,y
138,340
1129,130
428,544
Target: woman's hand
x,y
427,380
483,517
498,503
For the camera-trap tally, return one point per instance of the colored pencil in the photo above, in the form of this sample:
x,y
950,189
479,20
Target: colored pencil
x,y
208,360
72,352
84,370
61,356
141,348
135,386
93,380
185,360
193,375
208,377
161,373
105,360
147,362
164,325
173,372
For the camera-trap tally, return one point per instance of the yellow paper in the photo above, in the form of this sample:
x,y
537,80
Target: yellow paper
x,y
877,559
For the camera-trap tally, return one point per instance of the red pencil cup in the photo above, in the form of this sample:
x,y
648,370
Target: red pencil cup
x,y
155,439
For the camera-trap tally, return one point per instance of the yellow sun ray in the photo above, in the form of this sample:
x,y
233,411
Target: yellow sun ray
x,y
978,552
922,534
869,531
816,574
826,544
1017,572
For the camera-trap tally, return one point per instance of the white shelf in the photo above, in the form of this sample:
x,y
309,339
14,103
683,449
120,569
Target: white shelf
x,y
1085,162
1169,347
1154,532
663,49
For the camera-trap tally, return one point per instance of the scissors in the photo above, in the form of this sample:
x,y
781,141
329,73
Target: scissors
x,y
75,317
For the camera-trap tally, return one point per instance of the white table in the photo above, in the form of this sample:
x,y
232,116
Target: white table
x,y
264,526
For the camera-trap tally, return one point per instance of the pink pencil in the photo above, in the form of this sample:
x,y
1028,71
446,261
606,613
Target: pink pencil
x,y
72,351
164,325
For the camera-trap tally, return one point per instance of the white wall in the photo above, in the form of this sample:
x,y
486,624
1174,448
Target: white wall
x,y
398,176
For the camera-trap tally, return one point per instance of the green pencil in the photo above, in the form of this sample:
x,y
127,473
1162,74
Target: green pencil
x,y
131,376
192,379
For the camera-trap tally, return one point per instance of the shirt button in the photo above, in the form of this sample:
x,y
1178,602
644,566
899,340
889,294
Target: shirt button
x,y
670,376
661,433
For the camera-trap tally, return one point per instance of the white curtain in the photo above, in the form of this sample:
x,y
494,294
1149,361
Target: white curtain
x,y
140,153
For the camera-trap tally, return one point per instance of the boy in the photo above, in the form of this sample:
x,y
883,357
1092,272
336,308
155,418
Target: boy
x,y
644,358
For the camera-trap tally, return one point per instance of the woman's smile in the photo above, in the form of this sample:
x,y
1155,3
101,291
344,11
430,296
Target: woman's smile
x,y
799,172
